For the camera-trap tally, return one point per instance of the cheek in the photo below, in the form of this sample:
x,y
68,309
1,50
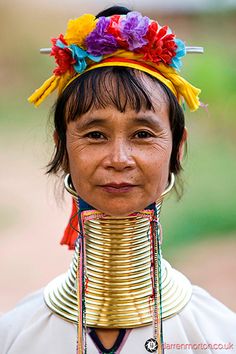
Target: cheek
x,y
79,167
156,166
83,164
157,158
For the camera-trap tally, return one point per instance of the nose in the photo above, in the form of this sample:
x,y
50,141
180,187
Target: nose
x,y
119,156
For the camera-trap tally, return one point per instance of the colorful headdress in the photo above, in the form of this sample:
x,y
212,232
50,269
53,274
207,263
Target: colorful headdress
x,y
130,40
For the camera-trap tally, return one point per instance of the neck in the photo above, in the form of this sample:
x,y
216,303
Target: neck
x,y
119,291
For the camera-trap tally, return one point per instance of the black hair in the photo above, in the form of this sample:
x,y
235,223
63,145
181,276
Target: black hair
x,y
106,86
114,10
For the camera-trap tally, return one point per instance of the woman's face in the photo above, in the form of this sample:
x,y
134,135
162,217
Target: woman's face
x,y
119,162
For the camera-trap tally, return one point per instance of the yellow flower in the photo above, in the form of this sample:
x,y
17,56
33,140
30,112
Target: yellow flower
x,y
78,29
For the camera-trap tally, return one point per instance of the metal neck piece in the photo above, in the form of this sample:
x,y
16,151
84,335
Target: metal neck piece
x,y
118,265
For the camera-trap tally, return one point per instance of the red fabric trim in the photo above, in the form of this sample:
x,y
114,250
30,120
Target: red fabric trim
x,y
71,231
124,60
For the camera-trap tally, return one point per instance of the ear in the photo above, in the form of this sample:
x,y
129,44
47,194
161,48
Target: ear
x,y
181,146
55,137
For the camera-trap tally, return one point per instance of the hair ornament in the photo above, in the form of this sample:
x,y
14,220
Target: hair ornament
x,y
91,42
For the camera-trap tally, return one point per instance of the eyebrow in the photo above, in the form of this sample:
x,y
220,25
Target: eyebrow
x,y
149,121
91,122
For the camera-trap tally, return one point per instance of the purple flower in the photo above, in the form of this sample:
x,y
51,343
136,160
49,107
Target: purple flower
x,y
133,29
99,42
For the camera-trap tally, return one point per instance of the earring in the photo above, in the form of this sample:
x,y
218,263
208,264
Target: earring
x,y
170,185
69,186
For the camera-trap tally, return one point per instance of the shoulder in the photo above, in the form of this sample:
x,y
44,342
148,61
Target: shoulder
x,y
205,320
30,327
23,310
203,302
13,322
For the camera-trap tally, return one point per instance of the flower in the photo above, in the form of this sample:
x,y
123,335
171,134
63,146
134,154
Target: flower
x,y
160,45
80,56
99,41
62,55
180,52
133,29
79,29
72,58
113,27
104,36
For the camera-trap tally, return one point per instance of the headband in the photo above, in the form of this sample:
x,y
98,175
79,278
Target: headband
x,y
131,40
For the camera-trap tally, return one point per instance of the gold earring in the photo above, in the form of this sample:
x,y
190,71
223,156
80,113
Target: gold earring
x,y
170,185
69,186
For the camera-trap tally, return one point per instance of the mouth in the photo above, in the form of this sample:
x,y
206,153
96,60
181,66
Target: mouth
x,y
118,187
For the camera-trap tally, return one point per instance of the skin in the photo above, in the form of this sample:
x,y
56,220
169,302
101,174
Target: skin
x,y
107,146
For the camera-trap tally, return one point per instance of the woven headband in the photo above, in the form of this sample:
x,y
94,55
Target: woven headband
x,y
131,40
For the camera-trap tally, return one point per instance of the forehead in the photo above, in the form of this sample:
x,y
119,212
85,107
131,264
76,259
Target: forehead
x,y
120,88
111,118
150,85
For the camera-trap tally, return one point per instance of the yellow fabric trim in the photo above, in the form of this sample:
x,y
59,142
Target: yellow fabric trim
x,y
180,87
183,88
41,93
168,75
137,66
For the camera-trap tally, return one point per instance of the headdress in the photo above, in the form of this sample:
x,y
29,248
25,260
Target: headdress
x,y
131,40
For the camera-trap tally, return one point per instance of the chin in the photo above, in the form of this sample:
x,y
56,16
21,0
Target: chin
x,y
121,209
119,214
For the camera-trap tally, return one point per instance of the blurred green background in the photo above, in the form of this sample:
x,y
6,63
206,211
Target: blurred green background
x,y
207,210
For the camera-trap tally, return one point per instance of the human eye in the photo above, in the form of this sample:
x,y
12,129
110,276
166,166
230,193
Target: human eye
x,y
143,134
95,135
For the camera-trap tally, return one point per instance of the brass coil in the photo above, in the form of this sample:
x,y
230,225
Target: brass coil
x,y
119,295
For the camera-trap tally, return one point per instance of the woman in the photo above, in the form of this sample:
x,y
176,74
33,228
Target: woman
x,y
119,136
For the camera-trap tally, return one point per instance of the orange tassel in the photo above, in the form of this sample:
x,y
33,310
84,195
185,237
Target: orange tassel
x,y
71,231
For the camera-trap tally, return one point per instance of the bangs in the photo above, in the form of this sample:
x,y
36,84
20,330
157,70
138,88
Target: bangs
x,y
119,87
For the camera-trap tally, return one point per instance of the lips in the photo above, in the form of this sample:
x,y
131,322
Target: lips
x,y
118,187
